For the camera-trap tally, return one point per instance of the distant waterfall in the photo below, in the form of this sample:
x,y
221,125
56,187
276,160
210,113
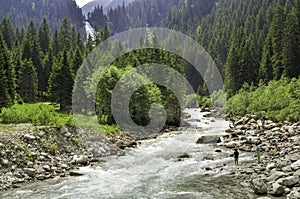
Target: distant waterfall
x,y
89,30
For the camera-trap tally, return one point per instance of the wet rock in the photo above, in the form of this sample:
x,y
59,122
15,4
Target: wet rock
x,y
229,130
29,171
259,186
185,155
277,189
76,173
206,139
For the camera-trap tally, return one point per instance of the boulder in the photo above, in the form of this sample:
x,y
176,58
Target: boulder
x,y
76,173
29,171
277,189
297,173
275,176
209,139
185,155
259,186
290,181
296,165
295,194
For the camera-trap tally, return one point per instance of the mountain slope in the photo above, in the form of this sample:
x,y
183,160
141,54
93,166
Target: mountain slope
x,y
20,12
106,5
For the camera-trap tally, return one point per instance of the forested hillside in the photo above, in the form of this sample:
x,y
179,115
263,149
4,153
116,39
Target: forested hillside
x,y
251,41
35,66
21,12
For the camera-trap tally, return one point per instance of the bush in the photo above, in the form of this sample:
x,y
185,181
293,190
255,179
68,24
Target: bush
x,y
38,114
279,100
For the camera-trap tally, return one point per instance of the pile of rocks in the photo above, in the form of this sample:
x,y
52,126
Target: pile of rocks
x,y
278,172
39,153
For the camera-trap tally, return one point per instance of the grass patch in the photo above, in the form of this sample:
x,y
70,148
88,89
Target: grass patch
x,y
37,114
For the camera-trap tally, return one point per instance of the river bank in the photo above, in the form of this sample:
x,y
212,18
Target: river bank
x,y
30,153
278,172
57,152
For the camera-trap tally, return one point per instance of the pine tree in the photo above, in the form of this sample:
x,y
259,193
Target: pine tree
x,y
8,33
7,76
61,82
27,81
276,31
65,35
266,69
291,46
233,64
44,36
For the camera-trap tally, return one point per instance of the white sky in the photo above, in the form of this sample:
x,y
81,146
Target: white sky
x,y
82,2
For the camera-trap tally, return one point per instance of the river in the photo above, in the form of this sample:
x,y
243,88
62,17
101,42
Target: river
x,y
152,170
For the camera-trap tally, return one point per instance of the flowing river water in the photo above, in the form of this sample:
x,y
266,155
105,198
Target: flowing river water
x,y
152,170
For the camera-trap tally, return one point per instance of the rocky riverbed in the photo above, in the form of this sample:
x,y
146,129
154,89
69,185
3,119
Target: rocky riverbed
x,y
278,172
29,153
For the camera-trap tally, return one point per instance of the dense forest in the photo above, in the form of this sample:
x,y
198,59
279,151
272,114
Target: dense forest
x,y
255,44
21,12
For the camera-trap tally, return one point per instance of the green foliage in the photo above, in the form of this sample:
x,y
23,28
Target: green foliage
x,y
279,100
204,101
38,114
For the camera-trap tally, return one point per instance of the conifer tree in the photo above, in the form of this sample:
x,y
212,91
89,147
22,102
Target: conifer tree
x,y
266,69
276,31
44,36
7,76
291,46
61,82
8,33
27,81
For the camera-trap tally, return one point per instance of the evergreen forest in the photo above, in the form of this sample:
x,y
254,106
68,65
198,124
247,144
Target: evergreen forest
x,y
254,43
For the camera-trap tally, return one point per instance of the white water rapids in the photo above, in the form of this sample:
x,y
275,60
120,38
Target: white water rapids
x,y
152,171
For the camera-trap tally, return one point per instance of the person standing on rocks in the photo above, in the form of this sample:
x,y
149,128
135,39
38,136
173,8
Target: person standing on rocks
x,y
236,156
257,149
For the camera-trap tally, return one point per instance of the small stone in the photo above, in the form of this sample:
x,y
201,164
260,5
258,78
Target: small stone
x,y
47,168
29,137
4,162
271,166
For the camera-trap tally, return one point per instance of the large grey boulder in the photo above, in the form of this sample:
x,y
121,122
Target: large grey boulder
x,y
29,171
289,181
277,189
209,139
296,165
295,194
275,176
259,186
